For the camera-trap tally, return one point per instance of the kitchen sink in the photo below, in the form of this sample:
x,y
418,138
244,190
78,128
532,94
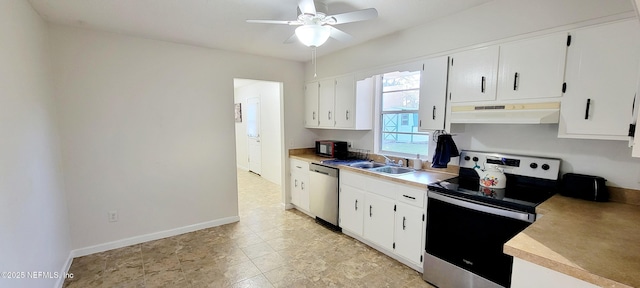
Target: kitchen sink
x,y
392,170
367,165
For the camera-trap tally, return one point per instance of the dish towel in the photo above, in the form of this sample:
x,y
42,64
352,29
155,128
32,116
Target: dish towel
x,y
445,149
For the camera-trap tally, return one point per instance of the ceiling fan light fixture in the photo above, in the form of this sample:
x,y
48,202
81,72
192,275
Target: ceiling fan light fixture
x,y
313,35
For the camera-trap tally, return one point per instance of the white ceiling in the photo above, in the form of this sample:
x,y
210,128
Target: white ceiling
x,y
221,23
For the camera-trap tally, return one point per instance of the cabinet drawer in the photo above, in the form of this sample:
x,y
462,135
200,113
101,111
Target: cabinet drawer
x,y
410,195
299,166
384,188
354,180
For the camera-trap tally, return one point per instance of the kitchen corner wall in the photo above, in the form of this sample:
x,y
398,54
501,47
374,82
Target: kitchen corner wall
x,y
485,23
147,129
34,227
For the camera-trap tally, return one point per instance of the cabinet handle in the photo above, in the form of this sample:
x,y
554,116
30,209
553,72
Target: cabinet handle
x,y
482,84
407,196
347,114
356,205
302,185
299,167
329,115
314,115
403,223
370,214
433,113
515,82
296,183
586,112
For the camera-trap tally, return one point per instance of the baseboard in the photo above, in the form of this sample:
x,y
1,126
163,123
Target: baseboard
x,y
152,236
242,168
286,206
65,270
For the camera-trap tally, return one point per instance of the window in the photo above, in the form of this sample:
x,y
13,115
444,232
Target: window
x,y
399,115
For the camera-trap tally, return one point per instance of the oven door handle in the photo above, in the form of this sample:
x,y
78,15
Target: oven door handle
x,y
470,204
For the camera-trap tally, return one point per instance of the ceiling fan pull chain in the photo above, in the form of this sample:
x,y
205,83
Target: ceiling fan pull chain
x,y
315,63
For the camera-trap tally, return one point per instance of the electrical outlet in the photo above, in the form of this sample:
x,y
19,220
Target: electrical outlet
x,y
113,216
350,144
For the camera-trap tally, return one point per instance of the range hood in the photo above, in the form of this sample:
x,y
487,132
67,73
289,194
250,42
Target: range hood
x,y
521,113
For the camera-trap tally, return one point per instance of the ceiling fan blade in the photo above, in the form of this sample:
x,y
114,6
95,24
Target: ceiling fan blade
x,y
340,35
274,22
291,39
355,16
307,7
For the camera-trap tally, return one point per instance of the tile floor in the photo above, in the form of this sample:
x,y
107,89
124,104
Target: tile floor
x,y
269,247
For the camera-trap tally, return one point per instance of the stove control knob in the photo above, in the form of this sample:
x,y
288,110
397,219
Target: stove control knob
x,y
533,165
475,159
545,167
467,158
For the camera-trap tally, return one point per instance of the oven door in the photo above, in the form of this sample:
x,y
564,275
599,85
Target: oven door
x,y
465,239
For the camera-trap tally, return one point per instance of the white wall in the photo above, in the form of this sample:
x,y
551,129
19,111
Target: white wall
x,y
34,229
491,22
270,126
146,130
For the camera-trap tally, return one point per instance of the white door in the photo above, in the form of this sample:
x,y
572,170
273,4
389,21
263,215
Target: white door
x,y
379,220
253,135
408,232
433,94
351,209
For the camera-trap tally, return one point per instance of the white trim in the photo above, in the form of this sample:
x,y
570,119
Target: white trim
x,y
65,270
152,236
384,251
287,206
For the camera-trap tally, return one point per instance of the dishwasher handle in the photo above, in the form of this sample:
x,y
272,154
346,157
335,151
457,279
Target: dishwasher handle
x,y
329,171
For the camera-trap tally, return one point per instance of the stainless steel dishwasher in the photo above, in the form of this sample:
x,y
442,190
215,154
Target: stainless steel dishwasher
x,y
323,194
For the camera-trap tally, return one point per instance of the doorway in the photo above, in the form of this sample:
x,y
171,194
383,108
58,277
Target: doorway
x,y
259,131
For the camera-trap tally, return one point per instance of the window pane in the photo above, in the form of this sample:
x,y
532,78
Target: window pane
x,y
400,81
402,143
394,122
398,101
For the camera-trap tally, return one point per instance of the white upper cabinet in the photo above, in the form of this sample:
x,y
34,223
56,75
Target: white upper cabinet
x,y
326,103
311,104
343,103
602,78
433,94
473,75
532,68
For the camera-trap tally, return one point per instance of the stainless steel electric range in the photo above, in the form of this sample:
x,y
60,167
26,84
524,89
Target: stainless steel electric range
x,y
468,224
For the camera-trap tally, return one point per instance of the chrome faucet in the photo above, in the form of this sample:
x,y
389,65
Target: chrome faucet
x,y
390,162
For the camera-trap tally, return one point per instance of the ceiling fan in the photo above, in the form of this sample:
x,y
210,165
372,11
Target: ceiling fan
x,y
316,26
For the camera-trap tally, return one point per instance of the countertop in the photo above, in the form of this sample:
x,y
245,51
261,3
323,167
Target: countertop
x,y
418,179
592,241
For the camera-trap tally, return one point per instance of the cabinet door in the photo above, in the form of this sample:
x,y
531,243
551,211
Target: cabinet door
x,y
601,76
351,209
473,75
345,101
304,192
433,94
379,220
311,104
326,103
532,68
295,190
409,229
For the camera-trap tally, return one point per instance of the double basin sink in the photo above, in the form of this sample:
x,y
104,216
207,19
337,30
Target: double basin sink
x,y
382,168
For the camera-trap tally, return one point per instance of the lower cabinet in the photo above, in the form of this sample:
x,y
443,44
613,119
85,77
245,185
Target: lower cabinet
x,y
300,184
351,209
408,233
378,220
386,215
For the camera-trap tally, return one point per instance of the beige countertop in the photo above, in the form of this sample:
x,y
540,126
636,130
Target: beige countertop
x,y
592,241
418,179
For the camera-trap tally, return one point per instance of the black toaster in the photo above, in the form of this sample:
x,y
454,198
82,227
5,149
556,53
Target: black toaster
x,y
586,187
